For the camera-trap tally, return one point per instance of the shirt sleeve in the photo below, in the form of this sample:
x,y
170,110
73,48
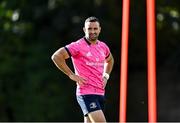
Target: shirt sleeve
x,y
72,48
107,51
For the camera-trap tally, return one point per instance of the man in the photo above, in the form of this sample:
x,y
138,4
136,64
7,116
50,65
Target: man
x,y
93,63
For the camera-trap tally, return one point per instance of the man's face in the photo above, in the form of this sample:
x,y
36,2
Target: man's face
x,y
92,30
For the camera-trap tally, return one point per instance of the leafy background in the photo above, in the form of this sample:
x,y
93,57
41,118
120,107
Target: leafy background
x,y
33,89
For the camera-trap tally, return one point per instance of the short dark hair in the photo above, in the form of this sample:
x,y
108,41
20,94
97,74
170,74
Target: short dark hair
x,y
92,19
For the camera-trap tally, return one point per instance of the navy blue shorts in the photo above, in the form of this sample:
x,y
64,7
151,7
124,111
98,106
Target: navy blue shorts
x,y
90,103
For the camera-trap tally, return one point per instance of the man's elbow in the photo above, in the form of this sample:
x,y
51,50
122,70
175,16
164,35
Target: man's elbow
x,y
112,61
54,57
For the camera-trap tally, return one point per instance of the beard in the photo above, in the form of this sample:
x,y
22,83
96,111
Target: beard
x,y
92,37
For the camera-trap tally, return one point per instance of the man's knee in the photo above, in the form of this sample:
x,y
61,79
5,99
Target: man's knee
x,y
97,116
87,120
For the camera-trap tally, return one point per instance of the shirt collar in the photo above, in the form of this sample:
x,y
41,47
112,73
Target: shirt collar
x,y
89,43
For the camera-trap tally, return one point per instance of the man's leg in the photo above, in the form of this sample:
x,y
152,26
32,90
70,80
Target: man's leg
x,y
97,116
86,119
92,106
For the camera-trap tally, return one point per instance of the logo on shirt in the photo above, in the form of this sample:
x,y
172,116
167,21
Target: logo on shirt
x,y
97,59
88,54
102,54
92,105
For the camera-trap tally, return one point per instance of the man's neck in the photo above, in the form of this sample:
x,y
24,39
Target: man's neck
x,y
90,41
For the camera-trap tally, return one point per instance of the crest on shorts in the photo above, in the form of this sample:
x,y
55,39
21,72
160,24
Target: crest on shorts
x,y
93,105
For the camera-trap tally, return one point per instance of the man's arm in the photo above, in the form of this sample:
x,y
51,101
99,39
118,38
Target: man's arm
x,y
59,59
108,68
109,64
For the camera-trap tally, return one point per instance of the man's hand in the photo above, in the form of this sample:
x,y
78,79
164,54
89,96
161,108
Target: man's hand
x,y
104,82
79,80
105,79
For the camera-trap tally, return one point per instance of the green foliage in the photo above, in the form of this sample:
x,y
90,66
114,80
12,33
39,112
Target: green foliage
x,y
32,88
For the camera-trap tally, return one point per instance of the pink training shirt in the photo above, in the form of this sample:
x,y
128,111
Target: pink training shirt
x,y
88,60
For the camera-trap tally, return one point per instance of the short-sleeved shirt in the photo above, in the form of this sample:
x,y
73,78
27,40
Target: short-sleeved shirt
x,y
88,61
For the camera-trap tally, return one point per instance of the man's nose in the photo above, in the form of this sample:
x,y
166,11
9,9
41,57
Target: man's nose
x,y
92,31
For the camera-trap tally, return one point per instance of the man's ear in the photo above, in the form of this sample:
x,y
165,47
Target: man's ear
x,y
84,29
99,29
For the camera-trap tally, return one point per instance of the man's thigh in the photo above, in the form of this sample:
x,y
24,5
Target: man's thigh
x,y
97,116
90,103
